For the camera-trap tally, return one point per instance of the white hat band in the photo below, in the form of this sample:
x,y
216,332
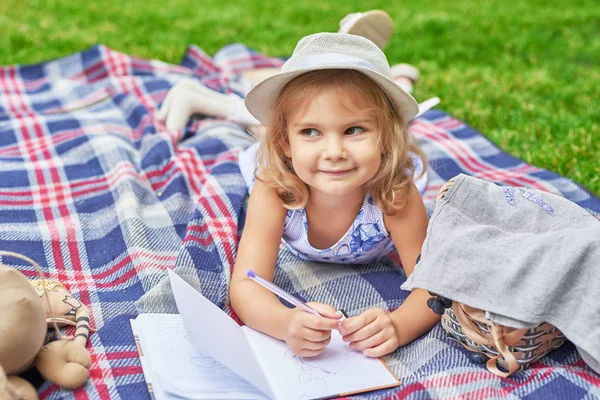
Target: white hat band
x,y
333,58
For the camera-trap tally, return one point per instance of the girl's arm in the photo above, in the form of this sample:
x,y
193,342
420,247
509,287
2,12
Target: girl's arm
x,y
258,249
408,229
374,331
305,334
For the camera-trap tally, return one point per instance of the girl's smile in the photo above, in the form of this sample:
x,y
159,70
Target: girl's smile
x,y
338,173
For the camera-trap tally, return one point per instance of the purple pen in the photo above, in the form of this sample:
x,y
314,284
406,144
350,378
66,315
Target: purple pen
x,y
280,292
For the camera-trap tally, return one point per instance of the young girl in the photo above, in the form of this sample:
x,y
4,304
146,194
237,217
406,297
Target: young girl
x,y
334,182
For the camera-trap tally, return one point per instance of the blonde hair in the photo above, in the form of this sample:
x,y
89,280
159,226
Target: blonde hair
x,y
392,182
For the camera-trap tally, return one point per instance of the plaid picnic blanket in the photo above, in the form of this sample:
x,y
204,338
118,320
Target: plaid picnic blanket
x,y
107,199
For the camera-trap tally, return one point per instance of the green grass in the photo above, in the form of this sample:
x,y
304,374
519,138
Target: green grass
x,y
525,73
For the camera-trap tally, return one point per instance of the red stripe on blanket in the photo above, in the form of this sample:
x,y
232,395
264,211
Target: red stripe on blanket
x,y
468,161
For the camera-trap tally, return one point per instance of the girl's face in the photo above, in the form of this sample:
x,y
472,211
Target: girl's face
x,y
333,145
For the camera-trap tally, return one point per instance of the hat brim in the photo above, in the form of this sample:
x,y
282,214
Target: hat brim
x,y
261,99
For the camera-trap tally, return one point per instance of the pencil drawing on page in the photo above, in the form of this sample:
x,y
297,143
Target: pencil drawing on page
x,y
309,371
193,369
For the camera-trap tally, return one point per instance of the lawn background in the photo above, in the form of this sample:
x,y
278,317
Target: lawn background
x,y
525,73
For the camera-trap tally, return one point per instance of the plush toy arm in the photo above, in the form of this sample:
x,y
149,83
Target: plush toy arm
x,y
82,319
64,362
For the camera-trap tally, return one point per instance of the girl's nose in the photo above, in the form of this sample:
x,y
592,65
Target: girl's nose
x,y
334,148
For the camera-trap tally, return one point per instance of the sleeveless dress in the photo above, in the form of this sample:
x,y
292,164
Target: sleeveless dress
x,y
365,241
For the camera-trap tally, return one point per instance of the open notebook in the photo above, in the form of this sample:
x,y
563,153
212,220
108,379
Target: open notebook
x,y
175,369
238,362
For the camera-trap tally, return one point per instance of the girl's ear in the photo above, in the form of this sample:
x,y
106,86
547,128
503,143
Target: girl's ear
x,y
285,145
384,148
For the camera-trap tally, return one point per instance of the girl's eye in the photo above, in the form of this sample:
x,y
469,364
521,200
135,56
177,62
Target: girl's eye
x,y
355,130
310,132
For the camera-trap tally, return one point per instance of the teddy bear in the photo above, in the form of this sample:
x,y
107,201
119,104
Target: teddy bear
x,y
27,309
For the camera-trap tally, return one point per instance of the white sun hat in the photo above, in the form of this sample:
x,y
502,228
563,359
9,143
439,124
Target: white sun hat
x,y
322,51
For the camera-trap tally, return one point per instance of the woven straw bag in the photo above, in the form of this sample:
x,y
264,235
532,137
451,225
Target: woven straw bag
x,y
505,350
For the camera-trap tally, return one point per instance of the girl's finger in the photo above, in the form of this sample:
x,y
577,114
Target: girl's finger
x,y
362,333
370,341
384,348
353,324
315,335
319,323
325,310
308,353
308,345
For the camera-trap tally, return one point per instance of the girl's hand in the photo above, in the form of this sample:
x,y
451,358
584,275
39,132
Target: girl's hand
x,y
371,332
307,334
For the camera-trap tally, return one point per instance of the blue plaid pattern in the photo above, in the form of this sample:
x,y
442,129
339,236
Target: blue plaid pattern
x,y
107,199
